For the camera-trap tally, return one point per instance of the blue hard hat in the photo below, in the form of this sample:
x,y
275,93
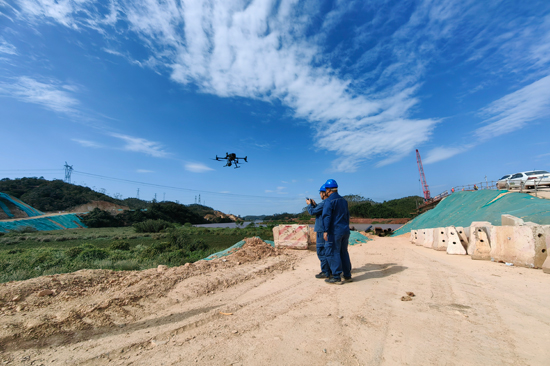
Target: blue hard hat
x,y
322,189
331,183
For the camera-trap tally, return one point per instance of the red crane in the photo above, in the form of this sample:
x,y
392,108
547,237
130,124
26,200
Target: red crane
x,y
425,187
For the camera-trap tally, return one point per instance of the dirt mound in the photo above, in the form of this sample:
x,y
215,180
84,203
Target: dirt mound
x,y
50,310
103,205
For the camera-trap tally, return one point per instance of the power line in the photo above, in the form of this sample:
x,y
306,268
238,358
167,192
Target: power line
x,y
183,189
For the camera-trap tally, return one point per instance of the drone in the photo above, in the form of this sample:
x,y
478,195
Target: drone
x,y
231,159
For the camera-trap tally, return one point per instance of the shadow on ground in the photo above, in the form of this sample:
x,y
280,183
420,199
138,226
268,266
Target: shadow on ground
x,y
372,270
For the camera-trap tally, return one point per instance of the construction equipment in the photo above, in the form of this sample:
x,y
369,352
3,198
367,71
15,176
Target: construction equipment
x,y
425,188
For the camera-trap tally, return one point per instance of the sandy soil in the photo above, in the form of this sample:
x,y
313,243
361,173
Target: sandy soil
x,y
264,307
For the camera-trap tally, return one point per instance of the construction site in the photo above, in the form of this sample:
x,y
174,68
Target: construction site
x,y
463,283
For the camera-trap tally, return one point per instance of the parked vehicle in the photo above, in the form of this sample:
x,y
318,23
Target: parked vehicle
x,y
528,179
502,182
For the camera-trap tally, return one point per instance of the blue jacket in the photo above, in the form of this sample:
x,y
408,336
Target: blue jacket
x,y
336,215
317,211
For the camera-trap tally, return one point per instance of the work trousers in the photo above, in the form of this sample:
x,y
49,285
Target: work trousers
x,y
322,254
338,255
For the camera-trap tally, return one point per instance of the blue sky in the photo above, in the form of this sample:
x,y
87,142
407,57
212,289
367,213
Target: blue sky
x,y
142,94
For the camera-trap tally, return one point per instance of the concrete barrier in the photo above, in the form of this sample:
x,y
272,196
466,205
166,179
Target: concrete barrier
x,y
523,246
546,264
509,220
455,244
428,238
312,236
480,235
291,236
440,239
464,235
414,236
419,237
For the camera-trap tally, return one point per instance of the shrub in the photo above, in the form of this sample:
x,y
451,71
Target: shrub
x,y
196,245
89,255
178,239
100,218
155,250
120,245
25,229
152,226
73,252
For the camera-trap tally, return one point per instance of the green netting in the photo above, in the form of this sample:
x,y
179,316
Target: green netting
x,y
69,221
463,208
232,249
30,211
357,238
5,208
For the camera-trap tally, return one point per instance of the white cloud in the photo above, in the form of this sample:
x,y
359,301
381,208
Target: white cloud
x,y
144,171
50,94
441,153
266,50
87,143
260,49
516,109
7,48
197,168
278,190
137,144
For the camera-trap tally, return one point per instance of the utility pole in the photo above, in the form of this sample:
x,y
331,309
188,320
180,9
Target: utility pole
x,y
138,194
163,196
155,197
68,171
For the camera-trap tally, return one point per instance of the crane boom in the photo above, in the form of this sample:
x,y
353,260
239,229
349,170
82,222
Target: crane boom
x,y
425,188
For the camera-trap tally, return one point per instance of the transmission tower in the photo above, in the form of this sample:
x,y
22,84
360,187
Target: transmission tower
x,y
425,187
138,194
68,171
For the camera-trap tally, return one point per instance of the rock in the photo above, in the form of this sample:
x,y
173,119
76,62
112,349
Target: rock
x,y
45,293
19,308
161,268
16,298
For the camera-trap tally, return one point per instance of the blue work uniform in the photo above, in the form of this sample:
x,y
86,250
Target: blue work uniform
x,y
336,224
319,230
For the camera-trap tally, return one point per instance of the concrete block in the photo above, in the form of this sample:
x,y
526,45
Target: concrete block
x,y
428,238
509,220
546,264
480,246
414,236
440,239
291,236
524,246
420,237
477,238
454,245
464,235
312,236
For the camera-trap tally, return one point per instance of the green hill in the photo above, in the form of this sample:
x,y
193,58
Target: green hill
x,y
56,195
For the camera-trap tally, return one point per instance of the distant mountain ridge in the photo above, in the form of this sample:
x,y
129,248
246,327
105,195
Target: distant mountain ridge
x,y
57,195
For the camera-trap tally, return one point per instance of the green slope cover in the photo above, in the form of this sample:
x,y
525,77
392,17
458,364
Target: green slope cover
x,y
463,208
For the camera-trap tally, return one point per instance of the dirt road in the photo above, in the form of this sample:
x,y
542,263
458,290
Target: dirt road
x,y
270,310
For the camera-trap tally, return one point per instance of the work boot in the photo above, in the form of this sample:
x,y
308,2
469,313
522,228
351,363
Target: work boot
x,y
322,275
334,281
348,279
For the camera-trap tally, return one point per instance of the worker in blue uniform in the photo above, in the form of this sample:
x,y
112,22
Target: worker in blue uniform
x,y
316,209
336,224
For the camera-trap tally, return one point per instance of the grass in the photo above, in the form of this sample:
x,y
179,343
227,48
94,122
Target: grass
x,y
32,254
